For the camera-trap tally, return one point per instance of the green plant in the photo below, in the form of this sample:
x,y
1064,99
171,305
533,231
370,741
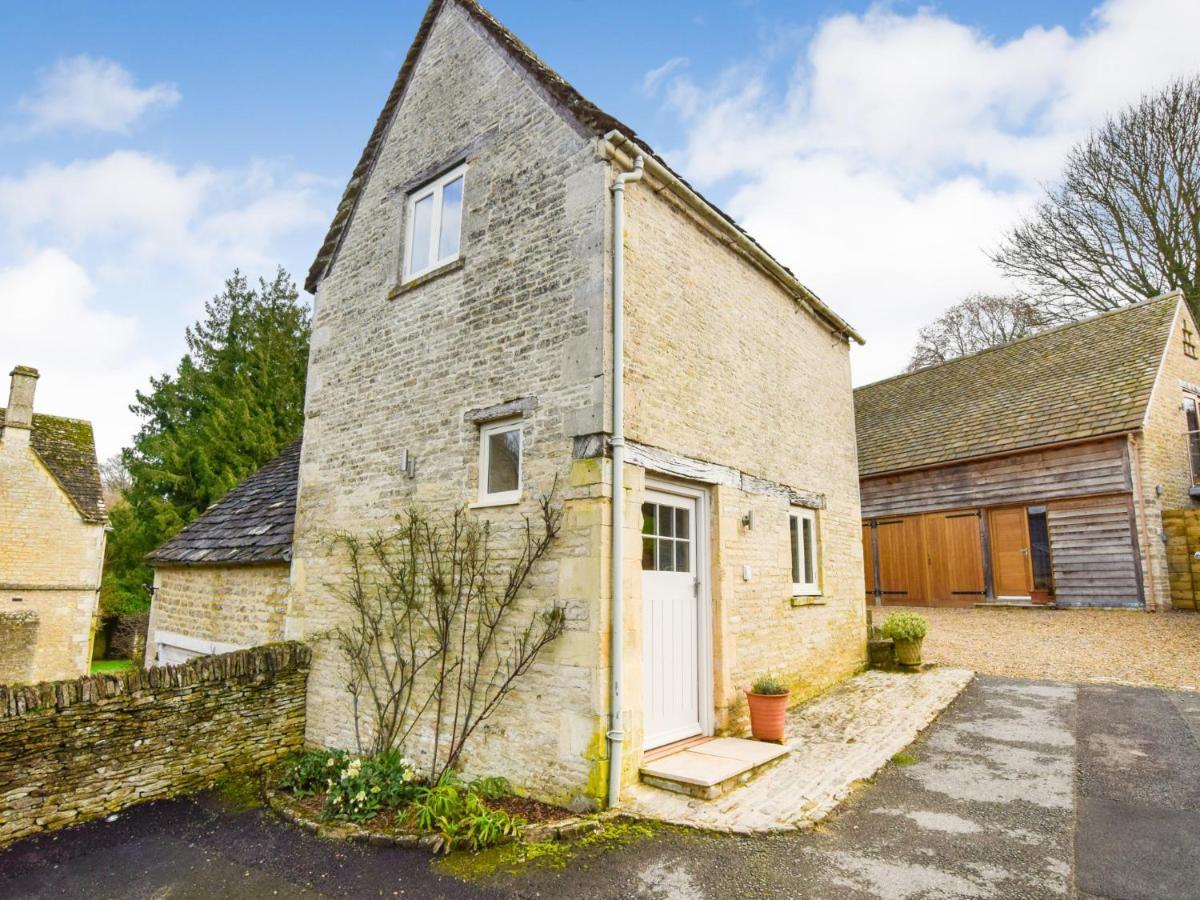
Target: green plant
x,y
457,814
359,788
493,788
905,627
308,773
768,684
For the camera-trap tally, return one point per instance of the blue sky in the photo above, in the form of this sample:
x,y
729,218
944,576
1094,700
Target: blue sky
x,y
147,148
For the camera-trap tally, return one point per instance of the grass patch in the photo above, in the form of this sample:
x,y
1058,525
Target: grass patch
x,y
511,859
904,758
101,666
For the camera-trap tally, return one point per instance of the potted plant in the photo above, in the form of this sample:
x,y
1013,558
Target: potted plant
x,y
768,699
907,631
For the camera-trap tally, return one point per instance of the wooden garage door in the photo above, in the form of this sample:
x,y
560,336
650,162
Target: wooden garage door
x,y
930,560
955,555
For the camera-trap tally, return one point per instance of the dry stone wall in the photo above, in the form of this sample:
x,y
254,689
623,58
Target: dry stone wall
x,y
77,750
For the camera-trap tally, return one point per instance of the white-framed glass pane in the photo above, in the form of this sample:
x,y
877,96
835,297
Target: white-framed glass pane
x,y
666,556
810,551
504,461
795,545
422,224
451,227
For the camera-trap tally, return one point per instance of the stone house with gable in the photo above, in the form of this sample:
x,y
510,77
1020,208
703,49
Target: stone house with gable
x,y
52,532
478,334
1037,471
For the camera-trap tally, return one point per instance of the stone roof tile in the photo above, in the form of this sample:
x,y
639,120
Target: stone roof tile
x,y
251,524
1077,381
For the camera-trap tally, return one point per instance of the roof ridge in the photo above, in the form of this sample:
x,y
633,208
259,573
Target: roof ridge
x,y
1055,329
585,114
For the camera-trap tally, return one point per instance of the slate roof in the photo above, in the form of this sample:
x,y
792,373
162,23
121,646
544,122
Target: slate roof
x,y
251,524
1077,381
586,113
68,449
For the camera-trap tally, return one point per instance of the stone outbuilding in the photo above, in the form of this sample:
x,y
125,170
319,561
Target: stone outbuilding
x,y
1036,472
221,583
479,335
52,531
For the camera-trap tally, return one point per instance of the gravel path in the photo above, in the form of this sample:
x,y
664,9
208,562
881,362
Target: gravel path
x,y
1124,646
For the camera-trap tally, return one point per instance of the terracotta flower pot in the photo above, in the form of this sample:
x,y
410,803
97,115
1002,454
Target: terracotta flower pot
x,y
767,713
908,653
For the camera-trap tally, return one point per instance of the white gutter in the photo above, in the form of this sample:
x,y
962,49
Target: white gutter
x,y
615,735
622,150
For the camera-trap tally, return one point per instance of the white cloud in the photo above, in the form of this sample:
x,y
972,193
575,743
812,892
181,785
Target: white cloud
x,y
94,95
128,231
652,79
89,359
900,147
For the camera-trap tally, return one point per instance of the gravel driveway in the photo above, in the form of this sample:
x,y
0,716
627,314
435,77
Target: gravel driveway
x,y
1098,645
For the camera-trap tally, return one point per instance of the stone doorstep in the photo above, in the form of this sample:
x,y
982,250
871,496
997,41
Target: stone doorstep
x,y
708,770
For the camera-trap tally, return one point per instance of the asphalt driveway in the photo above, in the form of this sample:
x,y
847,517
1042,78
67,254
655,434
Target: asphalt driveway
x,y
1020,789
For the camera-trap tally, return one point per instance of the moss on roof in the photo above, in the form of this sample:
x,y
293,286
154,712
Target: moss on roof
x,y
1077,381
68,449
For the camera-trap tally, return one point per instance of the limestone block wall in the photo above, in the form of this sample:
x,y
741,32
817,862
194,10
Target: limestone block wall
x,y
396,368
77,750
240,605
18,643
723,366
50,560
1163,457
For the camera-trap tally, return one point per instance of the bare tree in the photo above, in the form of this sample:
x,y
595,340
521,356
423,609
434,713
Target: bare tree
x,y
114,479
976,323
1124,222
435,627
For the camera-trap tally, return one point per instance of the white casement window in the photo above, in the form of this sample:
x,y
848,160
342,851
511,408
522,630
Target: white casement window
x,y
434,233
805,550
500,452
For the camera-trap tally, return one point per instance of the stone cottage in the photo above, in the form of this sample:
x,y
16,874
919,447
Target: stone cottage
x,y
52,530
469,297
1035,472
221,583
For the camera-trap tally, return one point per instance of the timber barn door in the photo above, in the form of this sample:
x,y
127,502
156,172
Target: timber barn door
x,y
934,559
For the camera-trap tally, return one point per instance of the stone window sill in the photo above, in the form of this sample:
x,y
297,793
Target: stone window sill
x,y
421,280
809,600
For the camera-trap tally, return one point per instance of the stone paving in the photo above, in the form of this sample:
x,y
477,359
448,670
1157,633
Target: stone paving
x,y
844,736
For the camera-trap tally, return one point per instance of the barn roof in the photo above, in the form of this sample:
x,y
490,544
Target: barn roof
x,y
251,524
67,447
1078,381
584,111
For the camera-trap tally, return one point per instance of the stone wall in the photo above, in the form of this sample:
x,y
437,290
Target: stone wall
x,y
76,750
239,605
50,560
399,368
1163,459
724,366
18,644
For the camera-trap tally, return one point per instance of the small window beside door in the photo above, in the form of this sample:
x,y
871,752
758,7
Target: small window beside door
x,y
500,463
433,235
805,550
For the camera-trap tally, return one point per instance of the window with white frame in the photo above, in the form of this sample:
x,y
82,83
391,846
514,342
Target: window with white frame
x,y
500,454
434,232
805,549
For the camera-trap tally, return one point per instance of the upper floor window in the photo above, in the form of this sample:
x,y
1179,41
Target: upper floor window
x,y
1191,412
500,463
434,231
805,547
1189,342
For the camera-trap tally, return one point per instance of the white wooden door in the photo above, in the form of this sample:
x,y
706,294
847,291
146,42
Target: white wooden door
x,y
671,607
